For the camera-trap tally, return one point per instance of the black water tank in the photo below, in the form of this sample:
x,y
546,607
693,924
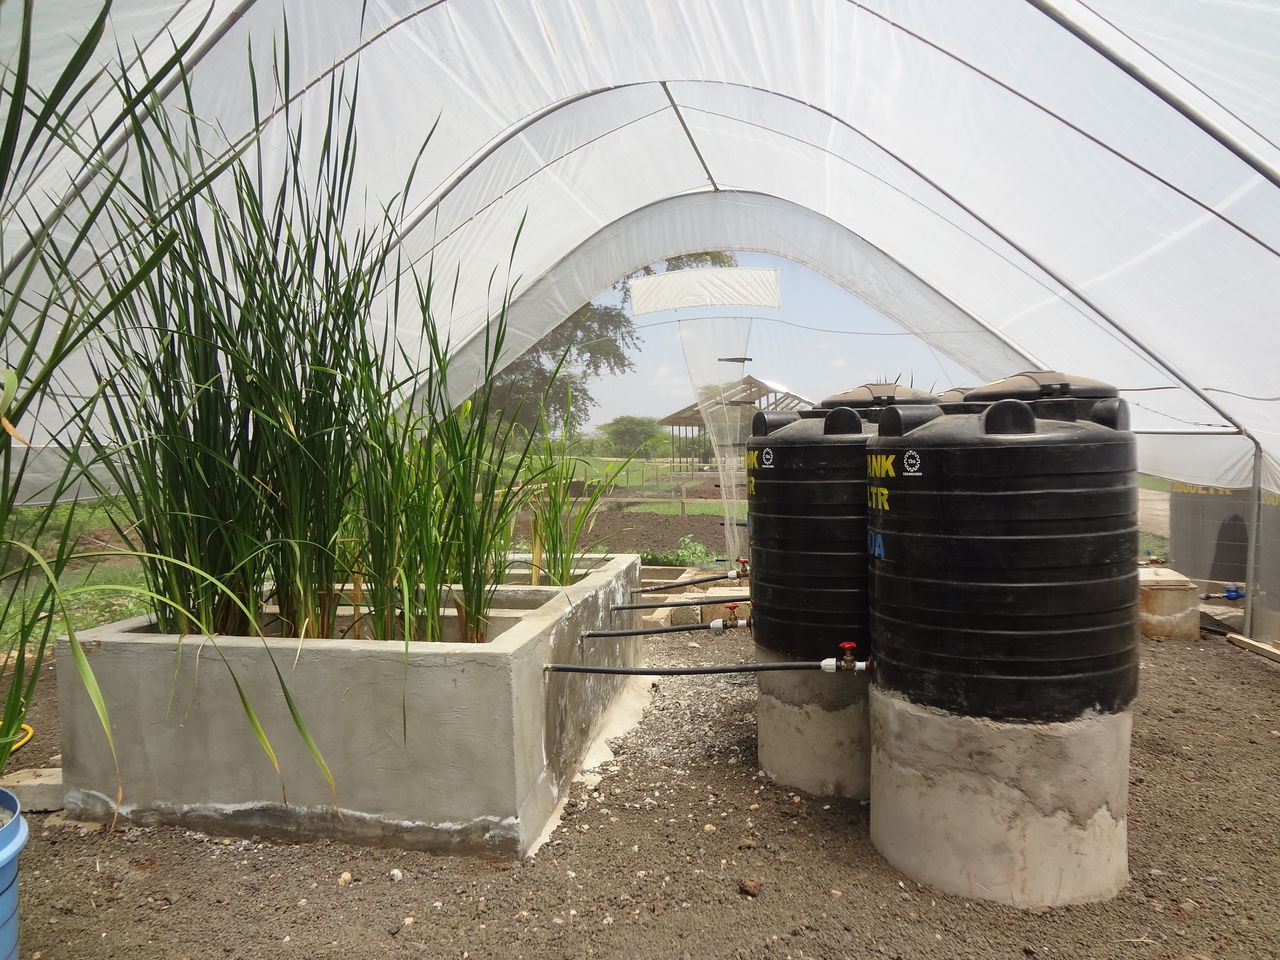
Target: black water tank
x,y
1004,559
953,401
807,520
870,399
1076,392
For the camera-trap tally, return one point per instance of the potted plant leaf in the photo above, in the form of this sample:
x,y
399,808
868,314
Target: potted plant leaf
x,y
50,304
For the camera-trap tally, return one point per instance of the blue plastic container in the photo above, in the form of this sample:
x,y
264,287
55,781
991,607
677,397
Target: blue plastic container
x,y
13,837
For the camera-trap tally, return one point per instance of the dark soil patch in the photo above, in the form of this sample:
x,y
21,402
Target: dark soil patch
x,y
618,531
45,747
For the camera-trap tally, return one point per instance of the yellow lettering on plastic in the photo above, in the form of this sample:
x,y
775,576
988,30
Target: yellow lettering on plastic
x,y
880,464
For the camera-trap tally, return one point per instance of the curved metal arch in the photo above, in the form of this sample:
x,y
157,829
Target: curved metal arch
x,y
541,291
532,120
867,11
1119,330
1212,128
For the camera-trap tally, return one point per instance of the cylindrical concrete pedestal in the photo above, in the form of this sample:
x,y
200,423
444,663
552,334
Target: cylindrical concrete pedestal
x,y
1029,814
812,729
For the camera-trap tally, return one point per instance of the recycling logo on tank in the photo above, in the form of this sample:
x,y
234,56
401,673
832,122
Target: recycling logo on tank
x,y
766,457
911,464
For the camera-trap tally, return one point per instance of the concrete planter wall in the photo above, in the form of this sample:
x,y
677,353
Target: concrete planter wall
x,y
492,740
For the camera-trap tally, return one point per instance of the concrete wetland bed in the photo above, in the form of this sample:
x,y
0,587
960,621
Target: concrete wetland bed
x,y
448,747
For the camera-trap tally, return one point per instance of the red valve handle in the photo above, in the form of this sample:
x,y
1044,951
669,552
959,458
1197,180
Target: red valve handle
x,y
731,606
848,645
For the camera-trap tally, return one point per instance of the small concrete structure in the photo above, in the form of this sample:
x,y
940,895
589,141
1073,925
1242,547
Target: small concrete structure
x,y
661,576
715,608
1028,814
812,729
1169,606
38,789
450,747
658,617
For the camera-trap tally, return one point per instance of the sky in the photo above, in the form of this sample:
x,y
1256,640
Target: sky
x,y
822,340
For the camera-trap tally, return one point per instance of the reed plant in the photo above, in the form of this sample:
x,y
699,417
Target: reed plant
x,y
260,442
481,457
234,381
179,439
397,554
565,496
56,291
440,484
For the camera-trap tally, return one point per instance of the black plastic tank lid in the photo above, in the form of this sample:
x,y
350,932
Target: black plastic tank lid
x,y
1038,384
876,395
766,421
842,420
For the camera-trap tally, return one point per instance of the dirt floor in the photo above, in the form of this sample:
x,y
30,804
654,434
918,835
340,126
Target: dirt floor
x,y
684,849
623,532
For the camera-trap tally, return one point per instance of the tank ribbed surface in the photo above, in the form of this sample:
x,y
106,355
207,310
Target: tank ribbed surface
x,y
807,518
1003,557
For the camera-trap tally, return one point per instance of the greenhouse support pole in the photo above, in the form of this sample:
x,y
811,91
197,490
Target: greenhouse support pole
x,y
1223,137
1255,534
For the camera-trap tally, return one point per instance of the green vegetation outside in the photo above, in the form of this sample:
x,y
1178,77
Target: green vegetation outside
x,y
1153,545
84,606
86,518
695,508
635,474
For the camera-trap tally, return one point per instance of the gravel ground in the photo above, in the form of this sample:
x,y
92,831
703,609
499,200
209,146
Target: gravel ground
x,y
684,849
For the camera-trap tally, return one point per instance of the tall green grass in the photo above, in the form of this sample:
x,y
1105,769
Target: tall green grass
x,y
481,458
266,451
394,545
50,305
566,493
235,381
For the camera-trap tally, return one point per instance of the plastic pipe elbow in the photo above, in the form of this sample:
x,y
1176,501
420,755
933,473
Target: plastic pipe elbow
x,y
837,665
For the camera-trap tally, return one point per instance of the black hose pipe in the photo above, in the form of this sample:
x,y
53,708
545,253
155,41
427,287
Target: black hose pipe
x,y
704,602
646,631
684,671
675,584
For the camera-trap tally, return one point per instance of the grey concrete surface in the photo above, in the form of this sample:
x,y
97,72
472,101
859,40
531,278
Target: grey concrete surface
x,y
1169,605
441,746
1023,814
812,729
38,789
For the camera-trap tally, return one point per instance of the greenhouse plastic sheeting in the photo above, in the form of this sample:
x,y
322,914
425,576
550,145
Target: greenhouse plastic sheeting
x,y
713,286
1086,186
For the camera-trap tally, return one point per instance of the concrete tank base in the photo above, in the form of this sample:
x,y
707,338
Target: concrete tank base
x,y
1019,813
812,729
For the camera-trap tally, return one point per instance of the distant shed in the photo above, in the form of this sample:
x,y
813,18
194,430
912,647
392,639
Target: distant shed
x,y
730,407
